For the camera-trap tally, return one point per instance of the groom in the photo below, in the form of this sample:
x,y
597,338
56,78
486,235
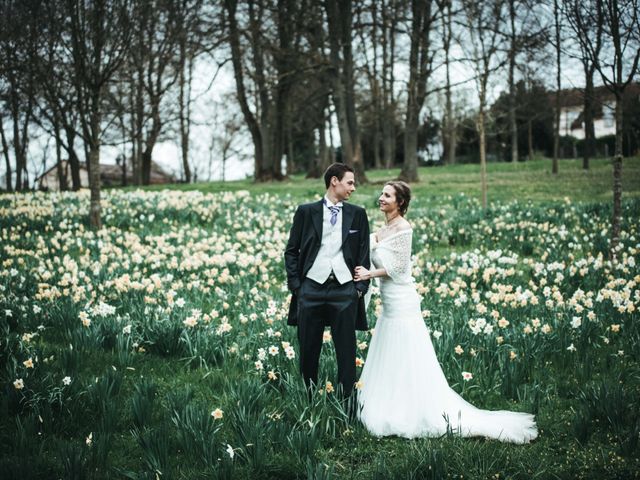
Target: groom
x,y
328,239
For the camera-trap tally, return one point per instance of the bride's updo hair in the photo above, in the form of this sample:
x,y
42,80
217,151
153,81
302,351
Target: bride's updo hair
x,y
403,195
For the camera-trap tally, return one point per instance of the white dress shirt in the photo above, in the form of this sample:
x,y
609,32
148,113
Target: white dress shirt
x,y
330,256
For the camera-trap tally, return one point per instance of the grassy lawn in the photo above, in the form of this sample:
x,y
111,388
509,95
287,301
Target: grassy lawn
x,y
118,347
522,181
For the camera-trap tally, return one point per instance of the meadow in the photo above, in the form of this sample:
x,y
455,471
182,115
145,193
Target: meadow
x,y
157,347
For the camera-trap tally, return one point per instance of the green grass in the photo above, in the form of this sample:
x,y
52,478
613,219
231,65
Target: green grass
x,y
148,409
522,181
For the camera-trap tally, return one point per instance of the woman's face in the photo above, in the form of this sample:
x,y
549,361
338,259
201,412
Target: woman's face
x,y
387,200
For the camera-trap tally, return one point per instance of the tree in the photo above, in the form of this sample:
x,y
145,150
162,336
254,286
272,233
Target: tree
x,y
157,34
557,24
484,42
524,36
57,112
18,43
390,18
575,12
99,31
193,29
340,26
449,123
614,50
423,18
273,65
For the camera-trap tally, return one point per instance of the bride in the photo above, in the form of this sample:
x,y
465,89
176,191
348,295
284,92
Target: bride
x,y
403,389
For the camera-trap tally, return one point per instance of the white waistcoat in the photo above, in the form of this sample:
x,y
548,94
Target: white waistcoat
x,y
330,256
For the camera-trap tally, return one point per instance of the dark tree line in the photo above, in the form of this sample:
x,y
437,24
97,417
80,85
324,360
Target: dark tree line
x,y
378,73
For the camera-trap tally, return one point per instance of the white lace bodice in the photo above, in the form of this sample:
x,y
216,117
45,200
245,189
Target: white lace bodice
x,y
393,253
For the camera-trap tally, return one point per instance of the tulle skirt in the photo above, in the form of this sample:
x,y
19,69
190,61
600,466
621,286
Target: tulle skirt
x,y
404,391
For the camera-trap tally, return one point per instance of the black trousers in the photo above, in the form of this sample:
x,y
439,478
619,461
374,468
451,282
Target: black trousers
x,y
334,305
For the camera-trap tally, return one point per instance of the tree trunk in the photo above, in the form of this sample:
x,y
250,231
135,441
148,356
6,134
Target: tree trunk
x,y
388,108
416,89
184,108
238,70
513,126
150,143
483,158
94,165
340,22
450,140
530,138
74,162
589,129
556,130
377,160
7,159
17,147
60,171
137,165
617,180
409,172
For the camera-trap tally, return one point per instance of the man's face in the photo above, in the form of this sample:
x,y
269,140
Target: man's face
x,y
345,187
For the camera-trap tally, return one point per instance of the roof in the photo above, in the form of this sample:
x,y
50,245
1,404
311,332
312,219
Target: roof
x,y
574,97
114,172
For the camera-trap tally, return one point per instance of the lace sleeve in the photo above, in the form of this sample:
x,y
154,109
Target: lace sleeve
x,y
397,258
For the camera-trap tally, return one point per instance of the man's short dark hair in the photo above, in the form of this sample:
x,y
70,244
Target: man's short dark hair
x,y
336,170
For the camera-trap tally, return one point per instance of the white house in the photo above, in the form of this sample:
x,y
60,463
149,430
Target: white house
x,y
572,115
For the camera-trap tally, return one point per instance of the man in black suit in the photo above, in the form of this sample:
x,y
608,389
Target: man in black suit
x,y
328,239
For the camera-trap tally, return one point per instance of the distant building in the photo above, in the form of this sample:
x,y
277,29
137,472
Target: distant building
x,y
604,106
110,176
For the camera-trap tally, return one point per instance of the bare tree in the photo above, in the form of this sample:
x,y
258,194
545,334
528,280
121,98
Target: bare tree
x,y
190,45
614,50
576,11
274,66
158,29
484,42
18,42
57,112
557,24
449,122
390,15
424,15
340,25
99,31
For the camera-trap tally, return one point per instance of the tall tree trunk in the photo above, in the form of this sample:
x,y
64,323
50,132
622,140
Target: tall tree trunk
x,y
17,146
513,126
556,129
340,22
139,119
7,159
185,101
589,129
450,140
94,163
60,170
388,110
74,161
238,71
416,91
530,138
617,178
483,158
150,143
391,118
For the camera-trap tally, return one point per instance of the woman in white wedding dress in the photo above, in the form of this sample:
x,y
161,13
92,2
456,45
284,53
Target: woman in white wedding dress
x,y
403,390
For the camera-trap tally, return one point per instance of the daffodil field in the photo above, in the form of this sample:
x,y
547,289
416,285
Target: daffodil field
x,y
157,347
